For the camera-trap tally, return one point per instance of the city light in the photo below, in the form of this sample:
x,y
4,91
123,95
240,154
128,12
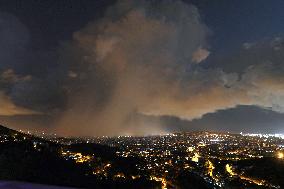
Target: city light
x,y
211,156
280,155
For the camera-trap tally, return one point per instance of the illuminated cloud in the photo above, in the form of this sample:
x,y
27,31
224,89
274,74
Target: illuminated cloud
x,y
72,74
139,59
199,55
128,61
10,76
8,108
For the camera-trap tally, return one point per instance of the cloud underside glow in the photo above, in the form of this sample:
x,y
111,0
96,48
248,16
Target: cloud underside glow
x,y
8,108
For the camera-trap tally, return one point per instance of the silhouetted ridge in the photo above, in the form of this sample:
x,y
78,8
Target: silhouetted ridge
x,y
6,130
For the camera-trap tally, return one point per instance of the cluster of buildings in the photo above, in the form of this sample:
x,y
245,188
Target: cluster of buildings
x,y
165,156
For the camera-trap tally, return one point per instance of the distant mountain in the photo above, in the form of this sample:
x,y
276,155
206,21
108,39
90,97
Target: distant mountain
x,y
239,119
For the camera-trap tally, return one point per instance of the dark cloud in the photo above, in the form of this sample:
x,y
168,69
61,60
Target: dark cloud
x,y
135,71
14,38
8,108
29,78
269,50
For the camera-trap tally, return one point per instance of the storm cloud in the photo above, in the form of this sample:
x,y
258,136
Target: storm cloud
x,y
130,60
29,77
142,59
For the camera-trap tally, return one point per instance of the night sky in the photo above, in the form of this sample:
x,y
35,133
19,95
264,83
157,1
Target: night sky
x,y
98,67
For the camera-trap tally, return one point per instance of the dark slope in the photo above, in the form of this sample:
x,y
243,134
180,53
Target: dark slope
x,y
27,158
7,131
